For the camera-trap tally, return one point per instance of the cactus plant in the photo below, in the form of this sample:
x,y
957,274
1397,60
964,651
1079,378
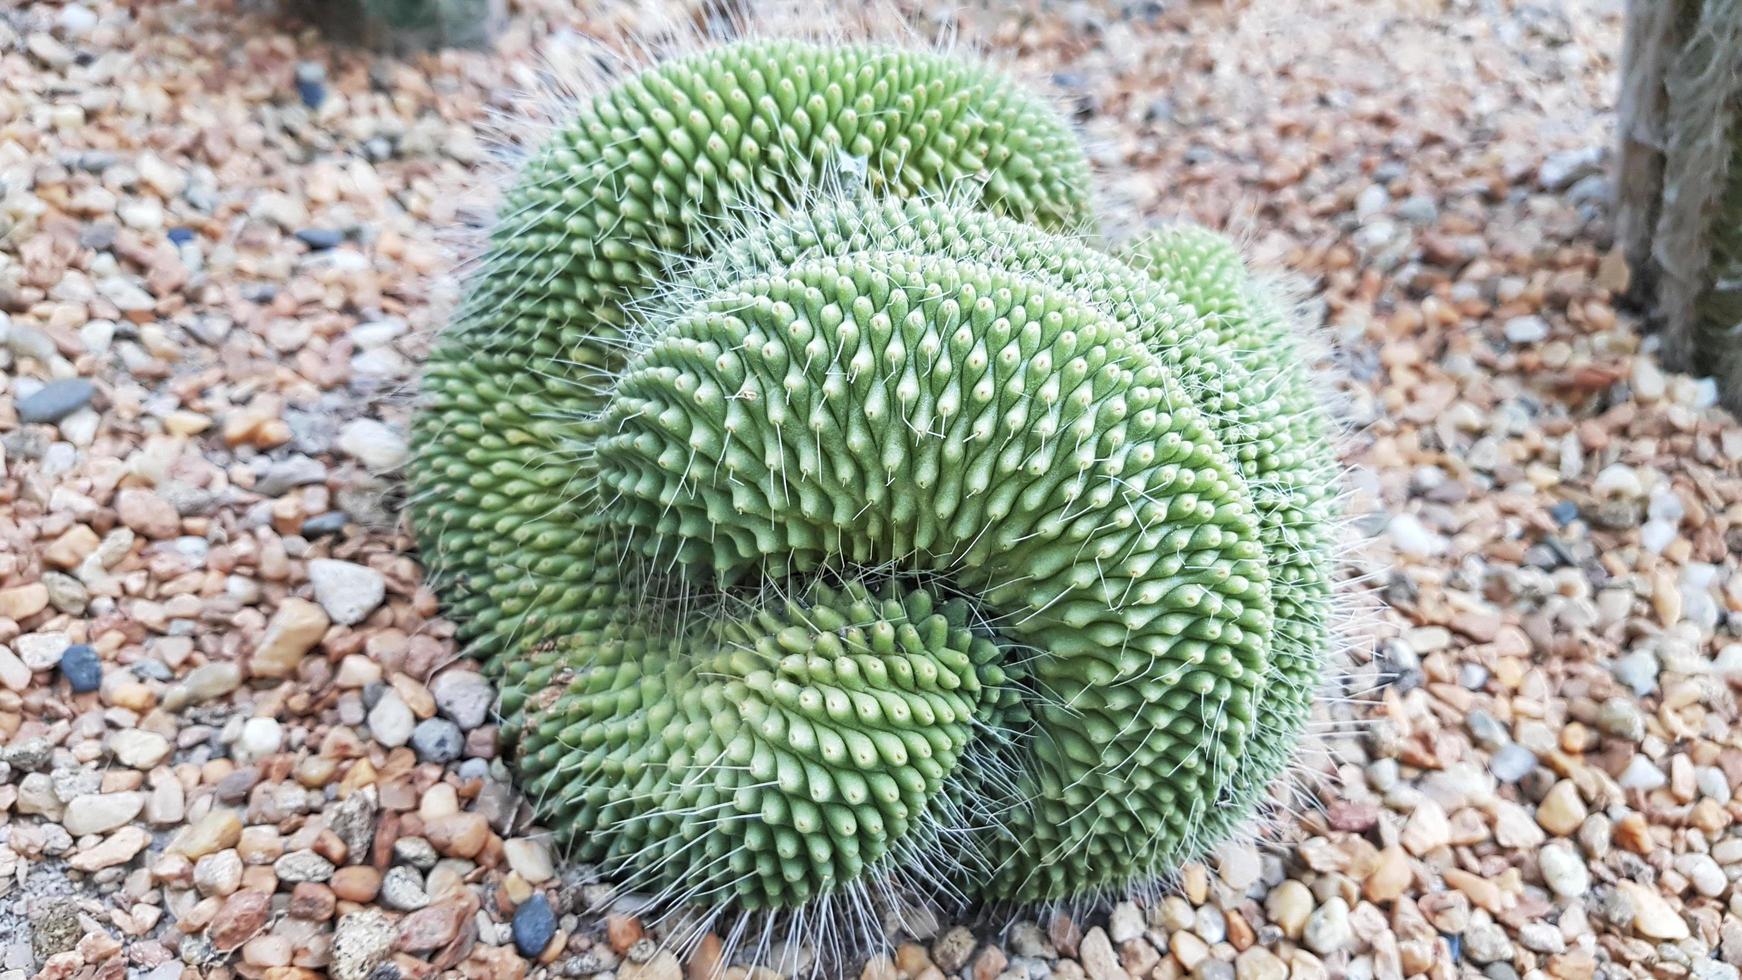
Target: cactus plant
x,y
833,511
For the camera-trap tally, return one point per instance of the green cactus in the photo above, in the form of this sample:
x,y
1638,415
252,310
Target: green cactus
x,y
830,518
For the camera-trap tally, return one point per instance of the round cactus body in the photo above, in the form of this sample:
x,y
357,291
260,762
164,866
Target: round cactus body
x,y
879,535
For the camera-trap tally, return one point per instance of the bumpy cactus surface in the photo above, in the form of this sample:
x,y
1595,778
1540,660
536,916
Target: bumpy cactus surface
x,y
823,539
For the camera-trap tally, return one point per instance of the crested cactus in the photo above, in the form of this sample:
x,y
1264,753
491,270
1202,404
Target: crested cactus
x,y
832,517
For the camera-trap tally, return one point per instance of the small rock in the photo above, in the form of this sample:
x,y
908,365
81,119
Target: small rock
x,y
1412,537
205,683
1426,830
530,858
1258,963
81,667
241,917
1562,169
431,927
55,401
463,696
1563,870
1620,717
1512,762
55,927
377,447
320,239
99,813
1526,330
1652,915
348,592
1289,905
303,866
75,21
461,835
1561,811
1707,877
390,721
437,740
138,749
357,883
117,849
1327,929
533,926
362,942
1099,960
218,873
218,829
311,77
47,50
147,514
1125,924
402,889
261,737
294,630
1642,775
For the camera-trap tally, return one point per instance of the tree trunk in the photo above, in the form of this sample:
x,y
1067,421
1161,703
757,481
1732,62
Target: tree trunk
x,y
406,26
1678,216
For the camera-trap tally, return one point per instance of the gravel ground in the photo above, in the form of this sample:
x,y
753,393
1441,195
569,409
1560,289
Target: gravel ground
x,y
236,737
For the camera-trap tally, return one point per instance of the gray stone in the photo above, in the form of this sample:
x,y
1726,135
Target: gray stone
x,y
438,740
300,866
55,401
1512,762
464,697
361,943
402,889
347,591
289,473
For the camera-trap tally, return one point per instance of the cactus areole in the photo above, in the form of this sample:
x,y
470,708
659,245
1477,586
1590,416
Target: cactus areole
x,y
824,539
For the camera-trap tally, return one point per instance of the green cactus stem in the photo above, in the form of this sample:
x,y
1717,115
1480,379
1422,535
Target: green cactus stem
x,y
830,518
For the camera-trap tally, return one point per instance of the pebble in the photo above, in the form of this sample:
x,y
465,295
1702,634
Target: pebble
x,y
1412,538
1707,877
1561,811
1512,762
534,925
55,401
1259,963
1327,929
530,858
390,722
99,813
261,737
320,239
82,668
138,749
239,919
293,631
377,447
464,697
401,889
1563,870
437,740
1289,905
348,592
117,849
362,942
1099,960
1652,915
1527,330
1640,774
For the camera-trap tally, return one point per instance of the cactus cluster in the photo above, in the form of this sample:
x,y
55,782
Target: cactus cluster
x,y
835,510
